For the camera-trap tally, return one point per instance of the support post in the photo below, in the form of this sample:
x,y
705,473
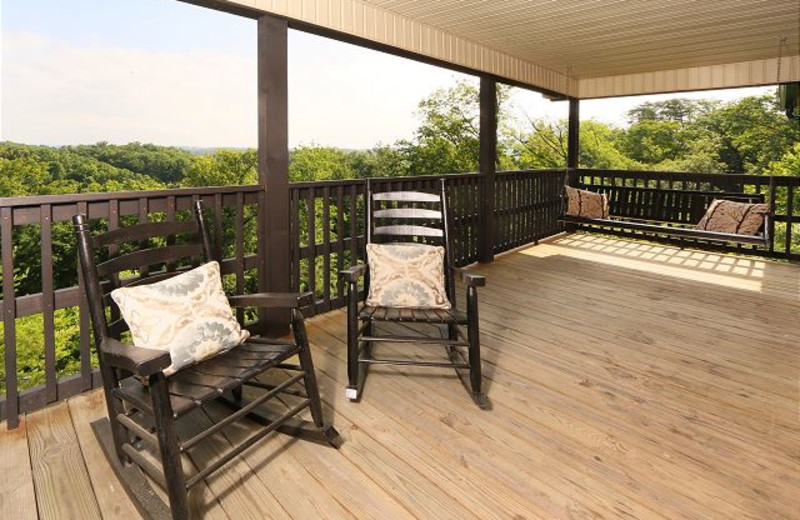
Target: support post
x,y
573,141
273,167
487,167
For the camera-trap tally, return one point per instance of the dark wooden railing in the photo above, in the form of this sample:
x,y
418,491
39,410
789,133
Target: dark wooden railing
x,y
632,186
527,207
45,296
331,237
323,241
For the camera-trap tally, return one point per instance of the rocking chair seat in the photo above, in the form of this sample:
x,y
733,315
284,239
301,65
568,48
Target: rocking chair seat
x,y
192,386
439,316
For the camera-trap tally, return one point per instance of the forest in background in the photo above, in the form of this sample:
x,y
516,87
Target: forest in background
x,y
745,136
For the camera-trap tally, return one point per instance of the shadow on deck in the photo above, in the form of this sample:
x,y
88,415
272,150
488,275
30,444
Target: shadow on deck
x,y
628,380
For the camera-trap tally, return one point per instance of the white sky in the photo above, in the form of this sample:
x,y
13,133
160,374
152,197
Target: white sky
x,y
104,75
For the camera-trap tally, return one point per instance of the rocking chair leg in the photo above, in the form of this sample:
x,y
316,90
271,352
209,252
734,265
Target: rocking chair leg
x,y
473,335
118,432
168,444
307,364
452,332
352,391
310,380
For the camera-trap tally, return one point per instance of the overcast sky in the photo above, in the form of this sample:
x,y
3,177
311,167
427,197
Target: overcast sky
x,y
161,71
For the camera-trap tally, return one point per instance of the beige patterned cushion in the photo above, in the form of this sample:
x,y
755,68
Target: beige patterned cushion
x,y
738,218
187,315
587,204
406,275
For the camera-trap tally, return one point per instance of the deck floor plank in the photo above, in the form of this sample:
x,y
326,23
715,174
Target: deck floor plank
x,y
240,496
111,496
278,473
63,488
436,402
17,495
629,380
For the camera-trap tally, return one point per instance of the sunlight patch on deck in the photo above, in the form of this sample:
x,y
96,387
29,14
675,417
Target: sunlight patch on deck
x,y
727,270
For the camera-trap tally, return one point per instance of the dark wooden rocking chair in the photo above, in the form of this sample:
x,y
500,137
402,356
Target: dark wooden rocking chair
x,y
406,216
144,404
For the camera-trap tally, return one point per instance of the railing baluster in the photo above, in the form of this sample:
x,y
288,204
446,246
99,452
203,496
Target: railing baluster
x,y
113,249
219,233
48,302
238,230
311,219
771,245
9,317
326,248
294,224
83,311
170,216
354,223
339,244
789,218
144,206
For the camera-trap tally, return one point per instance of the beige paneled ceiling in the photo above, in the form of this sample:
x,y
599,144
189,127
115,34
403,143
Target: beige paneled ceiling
x,y
613,37
582,48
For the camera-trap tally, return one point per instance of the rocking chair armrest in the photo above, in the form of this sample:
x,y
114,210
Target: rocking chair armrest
x,y
272,300
471,279
143,362
353,274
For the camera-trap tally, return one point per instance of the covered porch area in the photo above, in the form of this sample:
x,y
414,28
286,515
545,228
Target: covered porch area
x,y
629,380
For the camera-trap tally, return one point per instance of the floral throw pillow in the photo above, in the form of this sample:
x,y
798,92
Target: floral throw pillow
x,y
406,275
738,218
586,204
187,315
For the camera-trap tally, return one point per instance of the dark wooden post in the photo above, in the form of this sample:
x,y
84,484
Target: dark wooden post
x,y
487,166
273,165
573,141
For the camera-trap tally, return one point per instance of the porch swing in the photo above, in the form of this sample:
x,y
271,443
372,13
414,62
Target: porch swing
x,y
747,218
664,213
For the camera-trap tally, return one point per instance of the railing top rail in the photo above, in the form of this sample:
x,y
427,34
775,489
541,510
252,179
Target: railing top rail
x,y
73,198
413,178
698,177
361,182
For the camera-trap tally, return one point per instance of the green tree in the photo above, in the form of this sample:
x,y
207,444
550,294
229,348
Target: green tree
x,y
166,164
223,168
448,138
654,141
321,163
789,164
678,110
751,133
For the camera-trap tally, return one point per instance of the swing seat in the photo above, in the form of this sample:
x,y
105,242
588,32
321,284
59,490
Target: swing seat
x,y
658,213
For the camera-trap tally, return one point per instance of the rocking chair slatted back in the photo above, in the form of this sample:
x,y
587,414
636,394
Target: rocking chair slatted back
x,y
149,257
131,253
142,232
407,230
411,216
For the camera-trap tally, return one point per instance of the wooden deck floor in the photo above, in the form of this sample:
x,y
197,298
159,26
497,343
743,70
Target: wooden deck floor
x,y
628,381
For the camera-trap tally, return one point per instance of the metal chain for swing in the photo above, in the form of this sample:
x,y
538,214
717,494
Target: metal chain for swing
x,y
566,161
781,43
